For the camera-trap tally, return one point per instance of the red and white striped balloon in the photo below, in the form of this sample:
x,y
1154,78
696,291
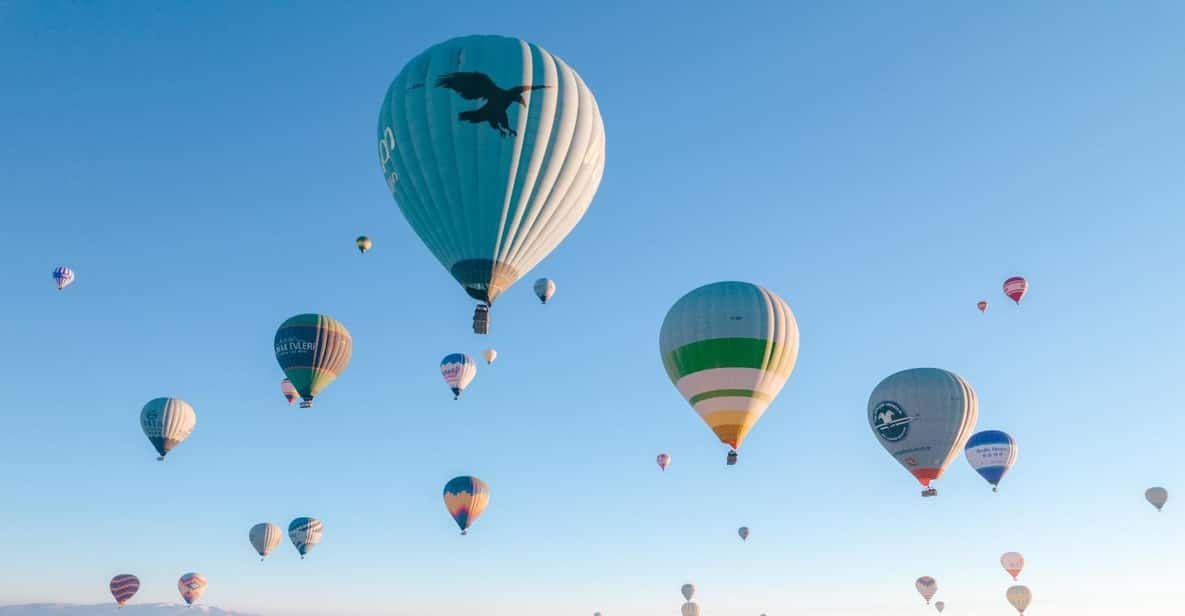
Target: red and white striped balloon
x,y
1015,288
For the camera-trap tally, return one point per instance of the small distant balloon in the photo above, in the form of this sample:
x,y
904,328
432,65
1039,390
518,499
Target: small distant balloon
x,y
64,276
363,243
458,370
939,605
544,289
690,609
289,391
490,355
264,537
191,586
1157,496
1020,597
664,460
1015,288
688,591
124,587
991,453
305,533
167,422
926,586
744,533
1012,562
466,498
982,305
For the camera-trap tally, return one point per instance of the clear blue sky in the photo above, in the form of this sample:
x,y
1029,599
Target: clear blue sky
x,y
205,168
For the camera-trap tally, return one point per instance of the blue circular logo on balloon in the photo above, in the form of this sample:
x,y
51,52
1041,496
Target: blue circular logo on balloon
x,y
890,421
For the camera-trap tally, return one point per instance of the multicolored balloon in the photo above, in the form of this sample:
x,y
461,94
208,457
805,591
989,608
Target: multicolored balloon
x,y
688,591
664,460
690,609
923,417
490,355
64,276
289,391
991,453
729,347
192,585
264,537
124,587
466,498
363,243
1015,288
939,605
544,289
1020,597
305,533
312,350
458,370
167,422
982,305
744,533
926,586
1157,496
534,150
1012,562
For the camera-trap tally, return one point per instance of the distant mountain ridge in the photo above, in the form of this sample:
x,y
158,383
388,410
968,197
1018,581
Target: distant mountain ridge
x,y
106,609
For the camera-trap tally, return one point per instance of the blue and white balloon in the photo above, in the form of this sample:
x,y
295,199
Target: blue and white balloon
x,y
991,453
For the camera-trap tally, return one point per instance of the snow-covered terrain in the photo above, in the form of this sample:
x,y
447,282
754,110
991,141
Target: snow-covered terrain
x,y
132,609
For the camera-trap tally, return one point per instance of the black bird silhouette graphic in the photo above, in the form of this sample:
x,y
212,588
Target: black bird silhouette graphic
x,y
472,86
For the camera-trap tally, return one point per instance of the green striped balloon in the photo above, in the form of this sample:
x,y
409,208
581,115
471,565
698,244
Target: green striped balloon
x,y
729,347
313,350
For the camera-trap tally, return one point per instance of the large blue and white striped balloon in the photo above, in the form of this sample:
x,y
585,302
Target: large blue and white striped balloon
x,y
64,276
991,453
458,370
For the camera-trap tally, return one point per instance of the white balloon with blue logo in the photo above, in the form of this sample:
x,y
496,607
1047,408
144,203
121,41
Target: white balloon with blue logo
x,y
991,453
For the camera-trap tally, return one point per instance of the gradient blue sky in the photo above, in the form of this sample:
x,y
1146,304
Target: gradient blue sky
x,y
205,168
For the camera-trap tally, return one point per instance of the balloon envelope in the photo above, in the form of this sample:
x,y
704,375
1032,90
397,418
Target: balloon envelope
x,y
305,533
744,533
312,350
1020,597
493,149
690,609
982,305
1012,562
465,498
264,537
926,586
688,591
458,370
1015,288
363,243
939,605
922,417
1157,496
490,355
544,289
664,460
124,587
729,347
167,422
191,586
991,453
289,391
63,276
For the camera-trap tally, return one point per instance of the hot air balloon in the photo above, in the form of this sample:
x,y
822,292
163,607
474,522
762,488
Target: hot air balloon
x,y
1157,496
982,305
305,533
490,355
664,460
1020,597
1015,288
926,586
264,537
534,152
991,453
289,391
729,347
744,533
939,605
688,591
1012,562
313,350
458,370
922,417
191,585
64,276
465,498
167,422
690,609
544,289
124,587
363,243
